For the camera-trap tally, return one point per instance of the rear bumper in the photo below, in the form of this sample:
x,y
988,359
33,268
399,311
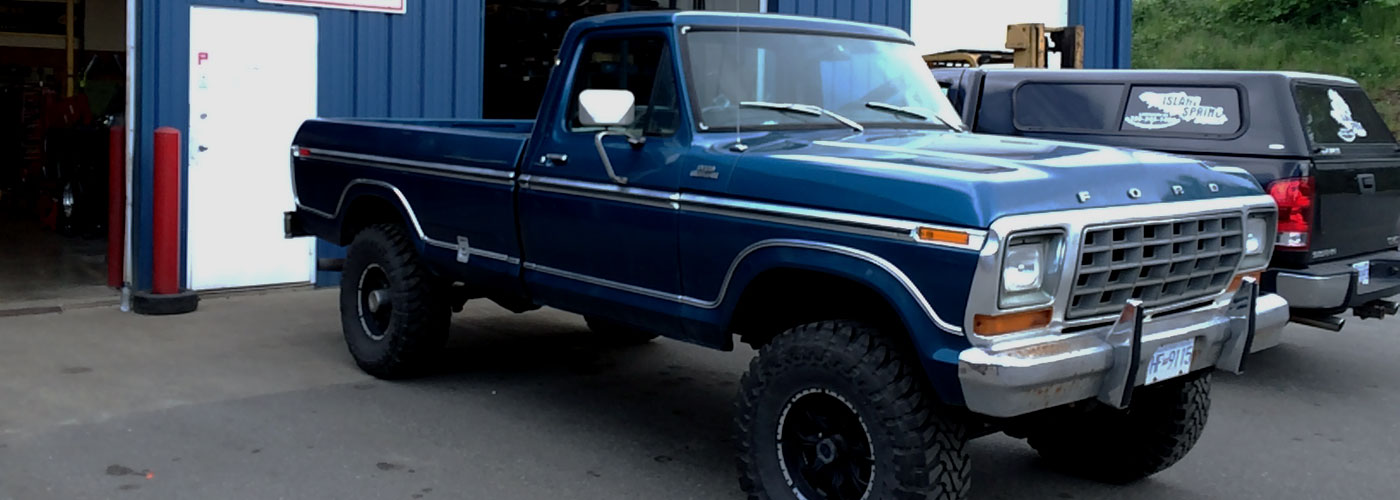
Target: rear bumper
x,y
1332,287
1104,363
292,226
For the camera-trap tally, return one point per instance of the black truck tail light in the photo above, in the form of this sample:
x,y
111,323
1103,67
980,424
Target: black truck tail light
x,y
1294,197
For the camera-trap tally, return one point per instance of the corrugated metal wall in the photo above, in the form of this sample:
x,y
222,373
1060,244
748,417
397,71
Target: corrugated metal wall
x,y
1108,31
894,13
426,63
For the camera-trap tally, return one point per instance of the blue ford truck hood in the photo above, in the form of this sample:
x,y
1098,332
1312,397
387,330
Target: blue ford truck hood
x,y
964,179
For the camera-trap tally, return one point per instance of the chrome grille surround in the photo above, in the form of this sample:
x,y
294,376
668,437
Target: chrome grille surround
x,y
1159,262
987,279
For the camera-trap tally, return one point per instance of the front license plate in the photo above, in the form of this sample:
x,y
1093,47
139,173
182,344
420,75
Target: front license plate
x,y
1363,272
1170,360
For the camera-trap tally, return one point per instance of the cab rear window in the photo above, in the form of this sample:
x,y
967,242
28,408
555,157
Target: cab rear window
x,y
1208,111
1339,115
1091,107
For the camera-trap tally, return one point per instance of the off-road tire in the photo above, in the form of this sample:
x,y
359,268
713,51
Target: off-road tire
x,y
1157,430
419,316
918,451
614,333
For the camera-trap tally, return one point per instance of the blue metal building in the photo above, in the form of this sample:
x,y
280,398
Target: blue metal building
x,y
426,62
894,13
1108,31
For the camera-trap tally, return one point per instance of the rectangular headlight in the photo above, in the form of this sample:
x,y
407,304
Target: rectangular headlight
x,y
1255,230
1258,240
1030,270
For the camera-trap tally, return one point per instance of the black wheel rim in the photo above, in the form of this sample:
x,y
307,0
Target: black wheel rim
x,y
375,308
824,447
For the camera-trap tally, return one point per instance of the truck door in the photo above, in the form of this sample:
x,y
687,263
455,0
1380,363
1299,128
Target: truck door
x,y
596,241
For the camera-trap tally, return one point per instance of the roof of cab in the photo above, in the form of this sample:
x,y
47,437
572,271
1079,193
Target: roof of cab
x,y
727,20
1163,75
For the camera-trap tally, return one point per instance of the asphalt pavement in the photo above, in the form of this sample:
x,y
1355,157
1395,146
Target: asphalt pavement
x,y
256,397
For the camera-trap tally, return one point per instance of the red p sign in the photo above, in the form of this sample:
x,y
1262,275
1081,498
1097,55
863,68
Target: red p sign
x,y
203,56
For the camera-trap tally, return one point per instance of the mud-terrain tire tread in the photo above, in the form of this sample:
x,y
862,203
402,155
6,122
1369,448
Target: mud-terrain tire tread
x,y
421,317
930,456
1155,432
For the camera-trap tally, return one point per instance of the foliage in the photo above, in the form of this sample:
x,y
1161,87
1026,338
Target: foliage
x,y
1290,11
1359,39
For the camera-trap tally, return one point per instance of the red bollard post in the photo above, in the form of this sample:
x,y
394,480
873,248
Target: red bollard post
x,y
116,206
165,296
166,213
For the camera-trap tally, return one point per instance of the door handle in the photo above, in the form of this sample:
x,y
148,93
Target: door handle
x,y
1366,183
203,149
554,159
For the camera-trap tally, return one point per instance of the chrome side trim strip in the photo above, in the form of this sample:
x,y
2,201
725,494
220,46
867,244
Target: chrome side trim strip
x,y
606,283
412,219
292,171
603,191
490,176
493,255
883,227
825,219
883,264
313,211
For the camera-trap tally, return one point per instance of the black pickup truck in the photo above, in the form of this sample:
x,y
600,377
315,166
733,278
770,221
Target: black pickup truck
x,y
1315,142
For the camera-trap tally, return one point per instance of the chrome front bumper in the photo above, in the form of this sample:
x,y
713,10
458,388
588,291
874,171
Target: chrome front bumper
x,y
1104,363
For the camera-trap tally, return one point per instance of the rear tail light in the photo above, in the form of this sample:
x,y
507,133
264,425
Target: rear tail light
x,y
1295,210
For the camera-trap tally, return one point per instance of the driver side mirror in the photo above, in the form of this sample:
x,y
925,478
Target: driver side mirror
x,y
606,108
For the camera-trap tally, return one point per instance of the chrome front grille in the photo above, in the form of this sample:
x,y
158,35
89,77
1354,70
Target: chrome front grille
x,y
1159,263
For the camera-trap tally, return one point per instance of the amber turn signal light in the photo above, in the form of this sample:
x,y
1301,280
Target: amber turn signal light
x,y
988,326
943,236
1239,280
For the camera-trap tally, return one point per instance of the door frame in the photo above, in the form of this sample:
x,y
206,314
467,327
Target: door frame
x,y
187,274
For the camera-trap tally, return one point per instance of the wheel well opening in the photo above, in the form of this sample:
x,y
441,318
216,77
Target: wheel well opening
x,y
366,211
779,299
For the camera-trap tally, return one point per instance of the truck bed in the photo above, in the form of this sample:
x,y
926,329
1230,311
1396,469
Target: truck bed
x,y
491,142
453,179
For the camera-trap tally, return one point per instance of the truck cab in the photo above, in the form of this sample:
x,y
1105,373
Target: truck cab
x,y
1315,142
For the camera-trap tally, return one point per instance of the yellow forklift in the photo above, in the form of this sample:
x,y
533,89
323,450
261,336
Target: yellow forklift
x,y
1028,46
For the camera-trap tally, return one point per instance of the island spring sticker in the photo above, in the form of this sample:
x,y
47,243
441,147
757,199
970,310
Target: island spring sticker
x,y
1174,108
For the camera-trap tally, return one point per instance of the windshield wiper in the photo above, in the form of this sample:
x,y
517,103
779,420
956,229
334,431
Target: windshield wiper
x,y
911,111
806,109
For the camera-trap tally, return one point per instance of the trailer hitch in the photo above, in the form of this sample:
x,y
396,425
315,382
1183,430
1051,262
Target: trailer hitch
x,y
1376,309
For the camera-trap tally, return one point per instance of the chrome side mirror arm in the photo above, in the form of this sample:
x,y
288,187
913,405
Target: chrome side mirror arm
x,y
603,153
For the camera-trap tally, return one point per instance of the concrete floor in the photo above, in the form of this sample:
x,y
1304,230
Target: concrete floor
x,y
256,397
37,264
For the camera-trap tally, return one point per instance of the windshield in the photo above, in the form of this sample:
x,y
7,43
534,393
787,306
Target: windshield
x,y
1340,115
871,82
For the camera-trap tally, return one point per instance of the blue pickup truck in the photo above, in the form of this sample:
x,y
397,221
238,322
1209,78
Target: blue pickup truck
x,y
802,186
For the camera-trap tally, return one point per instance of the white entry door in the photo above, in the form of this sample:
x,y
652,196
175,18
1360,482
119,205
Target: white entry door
x,y
252,83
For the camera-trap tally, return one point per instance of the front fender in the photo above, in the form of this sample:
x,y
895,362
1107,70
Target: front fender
x,y
937,340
